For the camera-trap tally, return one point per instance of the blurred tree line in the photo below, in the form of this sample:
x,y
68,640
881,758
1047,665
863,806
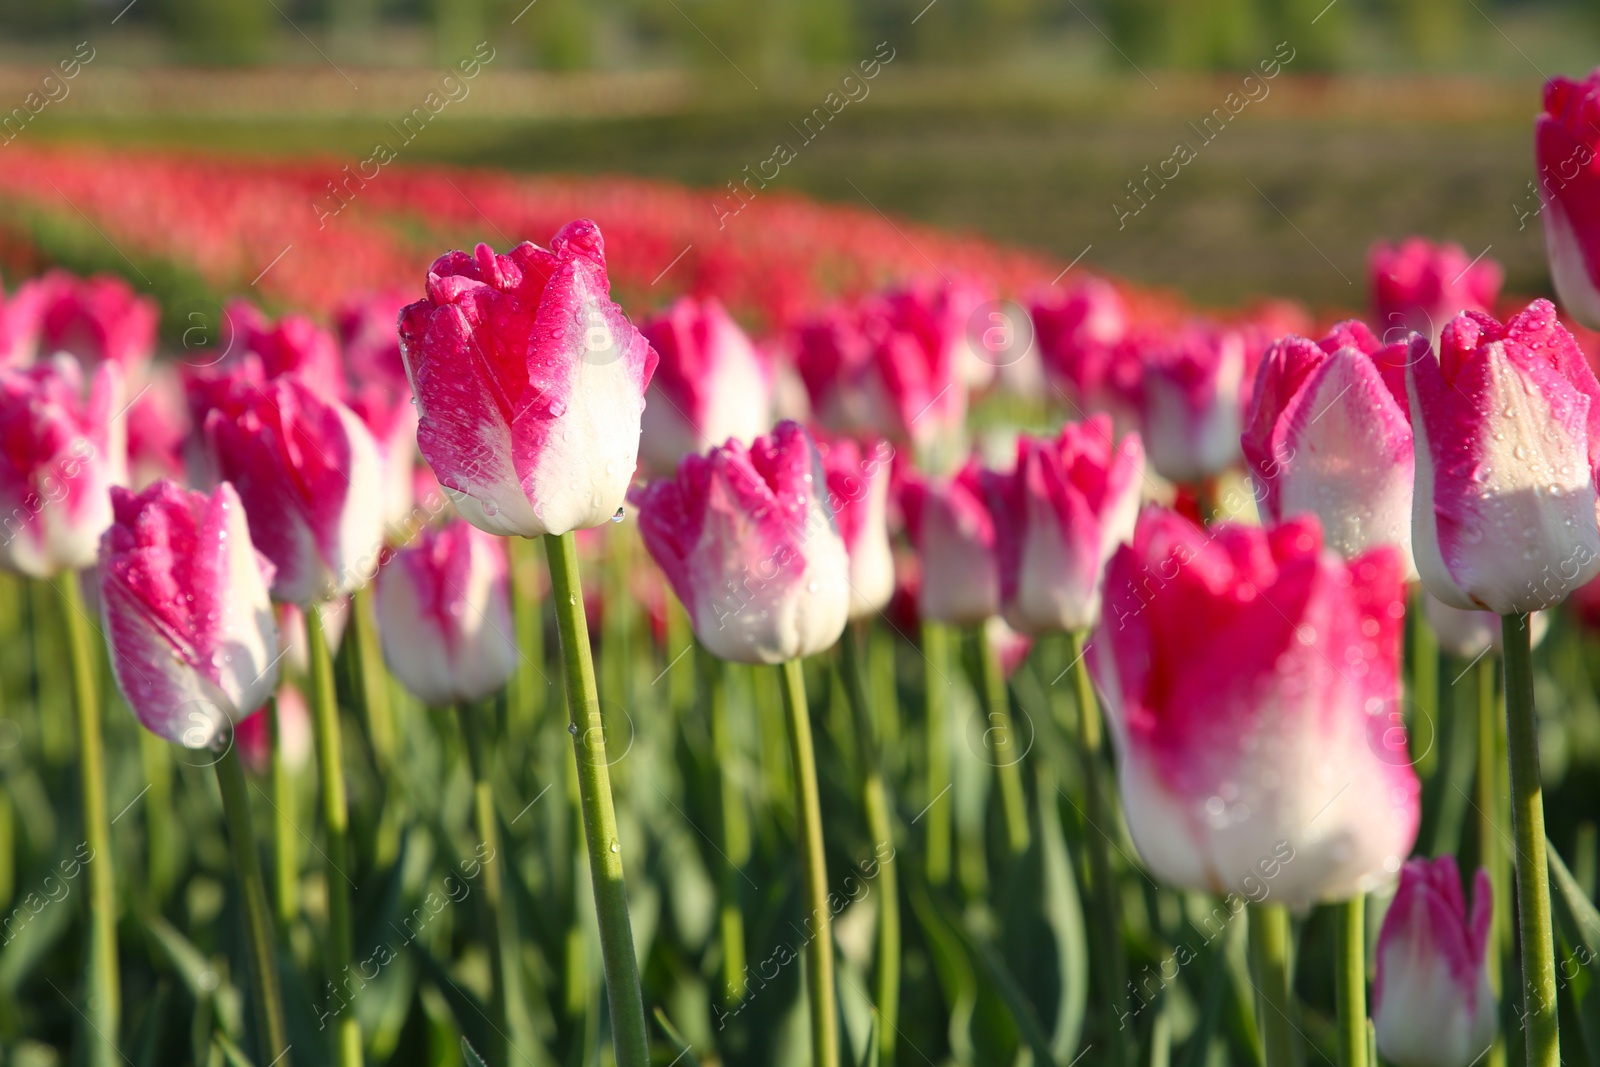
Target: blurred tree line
x,y
775,37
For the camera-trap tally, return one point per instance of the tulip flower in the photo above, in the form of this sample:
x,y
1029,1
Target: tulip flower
x,y
1507,424
858,494
1418,286
1329,433
184,596
378,392
1566,146
1250,678
711,384
953,529
1468,634
94,320
292,345
1190,405
1059,516
749,545
1084,339
1432,1003
529,384
294,734
308,472
445,617
60,451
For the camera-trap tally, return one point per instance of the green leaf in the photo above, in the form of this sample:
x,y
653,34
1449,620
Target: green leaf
x,y
1064,912
1579,971
954,970
684,1050
470,1055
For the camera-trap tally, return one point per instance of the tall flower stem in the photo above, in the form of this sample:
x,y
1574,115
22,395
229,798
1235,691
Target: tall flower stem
x,y
499,918
1527,824
285,842
814,871
853,648
260,939
1107,915
104,1008
1491,806
372,678
1269,958
936,700
1003,746
599,816
336,828
1425,686
1350,979
734,824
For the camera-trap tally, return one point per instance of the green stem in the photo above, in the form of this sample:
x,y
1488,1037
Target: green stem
x,y
260,939
336,827
1527,823
734,824
1003,744
1425,688
1491,802
285,844
104,1008
1105,902
372,678
875,803
814,871
1350,979
599,817
1269,956
525,695
500,920
936,697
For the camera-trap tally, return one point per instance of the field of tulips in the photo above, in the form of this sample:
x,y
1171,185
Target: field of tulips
x,y
652,633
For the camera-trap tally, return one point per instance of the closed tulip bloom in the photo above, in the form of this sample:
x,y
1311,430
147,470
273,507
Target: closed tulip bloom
x,y
953,529
183,594
61,449
1568,152
308,471
1507,431
1084,336
1329,433
444,614
1059,516
1469,634
94,320
1418,286
294,734
529,384
749,545
710,384
858,494
1432,1005
1191,402
291,345
1251,679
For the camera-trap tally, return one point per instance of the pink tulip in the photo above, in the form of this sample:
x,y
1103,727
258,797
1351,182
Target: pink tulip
x,y
308,473
158,427
858,494
529,382
1190,403
60,451
1084,338
292,345
294,734
94,320
292,632
377,391
1567,147
953,529
1329,434
1418,286
1251,679
444,614
183,594
747,541
1060,515
711,384
1432,1005
1507,429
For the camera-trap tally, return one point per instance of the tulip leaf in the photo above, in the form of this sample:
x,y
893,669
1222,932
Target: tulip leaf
x,y
469,1055
685,1051
1579,971
1064,912
954,971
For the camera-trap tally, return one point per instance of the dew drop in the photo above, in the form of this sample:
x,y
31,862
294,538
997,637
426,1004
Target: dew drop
x,y
615,847
572,728
620,514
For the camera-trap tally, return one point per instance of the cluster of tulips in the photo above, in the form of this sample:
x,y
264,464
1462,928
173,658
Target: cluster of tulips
x,y
1247,674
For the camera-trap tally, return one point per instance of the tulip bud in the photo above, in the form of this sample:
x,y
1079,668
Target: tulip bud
x,y
1432,1005
1507,425
294,734
953,529
858,495
747,541
94,320
1191,402
1083,337
1329,434
292,345
711,384
529,384
445,616
1418,286
1059,516
60,451
183,594
380,395
1251,679
1566,146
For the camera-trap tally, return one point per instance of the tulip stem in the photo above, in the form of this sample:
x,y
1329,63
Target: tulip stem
x,y
936,701
854,647
1007,754
1491,804
260,939
336,827
1107,914
1350,979
1269,955
1527,823
372,678
813,869
734,824
104,1007
629,1035
285,847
